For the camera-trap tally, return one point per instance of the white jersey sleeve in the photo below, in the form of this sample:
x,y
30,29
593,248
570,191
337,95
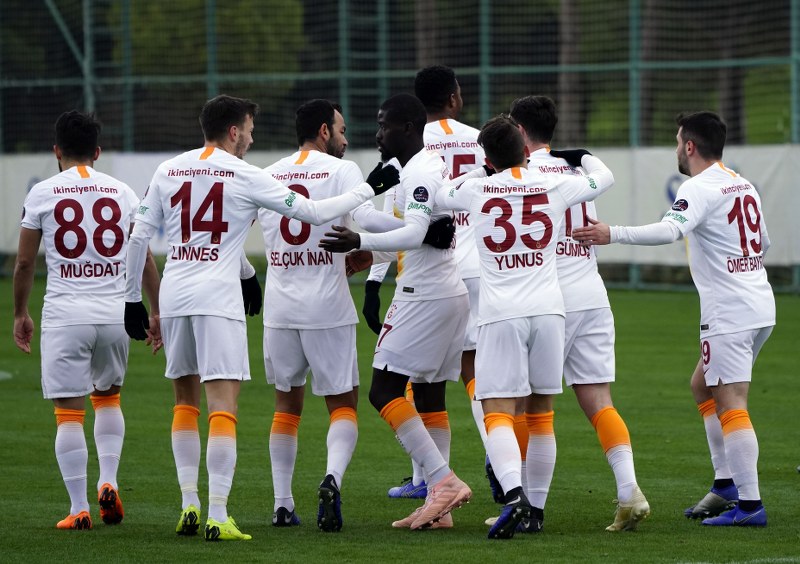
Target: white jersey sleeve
x,y
378,270
84,216
207,199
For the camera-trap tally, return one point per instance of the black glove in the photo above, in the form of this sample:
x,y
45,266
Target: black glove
x,y
136,320
253,296
382,178
440,233
372,306
572,156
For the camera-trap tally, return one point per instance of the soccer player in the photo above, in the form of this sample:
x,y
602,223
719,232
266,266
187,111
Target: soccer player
x,y
722,211
317,333
589,366
83,216
424,327
207,199
438,90
520,353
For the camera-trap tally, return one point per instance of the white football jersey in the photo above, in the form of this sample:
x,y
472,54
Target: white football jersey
x,y
426,273
85,218
723,213
207,199
306,287
518,214
457,143
580,281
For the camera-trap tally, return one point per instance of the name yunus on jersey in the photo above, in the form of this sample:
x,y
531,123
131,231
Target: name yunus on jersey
x,y
580,281
84,217
722,211
426,273
306,287
517,214
457,143
207,199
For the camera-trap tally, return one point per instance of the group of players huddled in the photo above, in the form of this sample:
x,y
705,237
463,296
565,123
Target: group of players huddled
x,y
493,236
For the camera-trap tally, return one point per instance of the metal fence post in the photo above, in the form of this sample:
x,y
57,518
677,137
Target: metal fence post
x,y
211,49
485,59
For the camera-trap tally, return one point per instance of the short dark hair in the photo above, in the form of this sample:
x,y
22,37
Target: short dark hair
x,y
77,134
433,86
223,111
310,117
707,130
537,116
405,108
502,142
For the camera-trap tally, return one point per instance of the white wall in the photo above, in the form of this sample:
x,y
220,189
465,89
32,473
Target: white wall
x,y
646,181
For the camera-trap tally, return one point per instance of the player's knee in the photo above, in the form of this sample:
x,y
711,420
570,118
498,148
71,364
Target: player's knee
x,y
379,396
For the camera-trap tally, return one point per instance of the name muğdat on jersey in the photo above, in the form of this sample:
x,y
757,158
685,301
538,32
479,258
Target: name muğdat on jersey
x,y
90,269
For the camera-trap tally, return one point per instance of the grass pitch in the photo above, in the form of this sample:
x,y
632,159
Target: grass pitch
x,y
656,353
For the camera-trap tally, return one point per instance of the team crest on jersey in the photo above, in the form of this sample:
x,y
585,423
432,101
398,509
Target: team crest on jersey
x,y
680,205
421,194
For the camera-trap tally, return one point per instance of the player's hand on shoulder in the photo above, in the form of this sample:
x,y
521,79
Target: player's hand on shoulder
x,y
136,321
441,233
340,240
382,178
23,333
252,295
572,156
596,233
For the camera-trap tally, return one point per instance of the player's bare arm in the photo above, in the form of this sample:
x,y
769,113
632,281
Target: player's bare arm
x,y
29,240
151,283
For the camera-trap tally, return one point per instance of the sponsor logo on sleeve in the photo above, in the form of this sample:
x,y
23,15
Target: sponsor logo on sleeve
x,y
290,199
421,194
23,212
143,210
680,205
592,183
676,217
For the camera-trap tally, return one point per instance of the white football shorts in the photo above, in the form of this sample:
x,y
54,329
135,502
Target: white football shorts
x,y
519,356
589,347
213,347
423,340
330,354
729,358
77,359
471,334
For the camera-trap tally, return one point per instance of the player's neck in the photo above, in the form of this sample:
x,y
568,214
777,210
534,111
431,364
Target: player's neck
x,y
444,114
408,153
66,164
221,145
316,145
534,146
700,165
